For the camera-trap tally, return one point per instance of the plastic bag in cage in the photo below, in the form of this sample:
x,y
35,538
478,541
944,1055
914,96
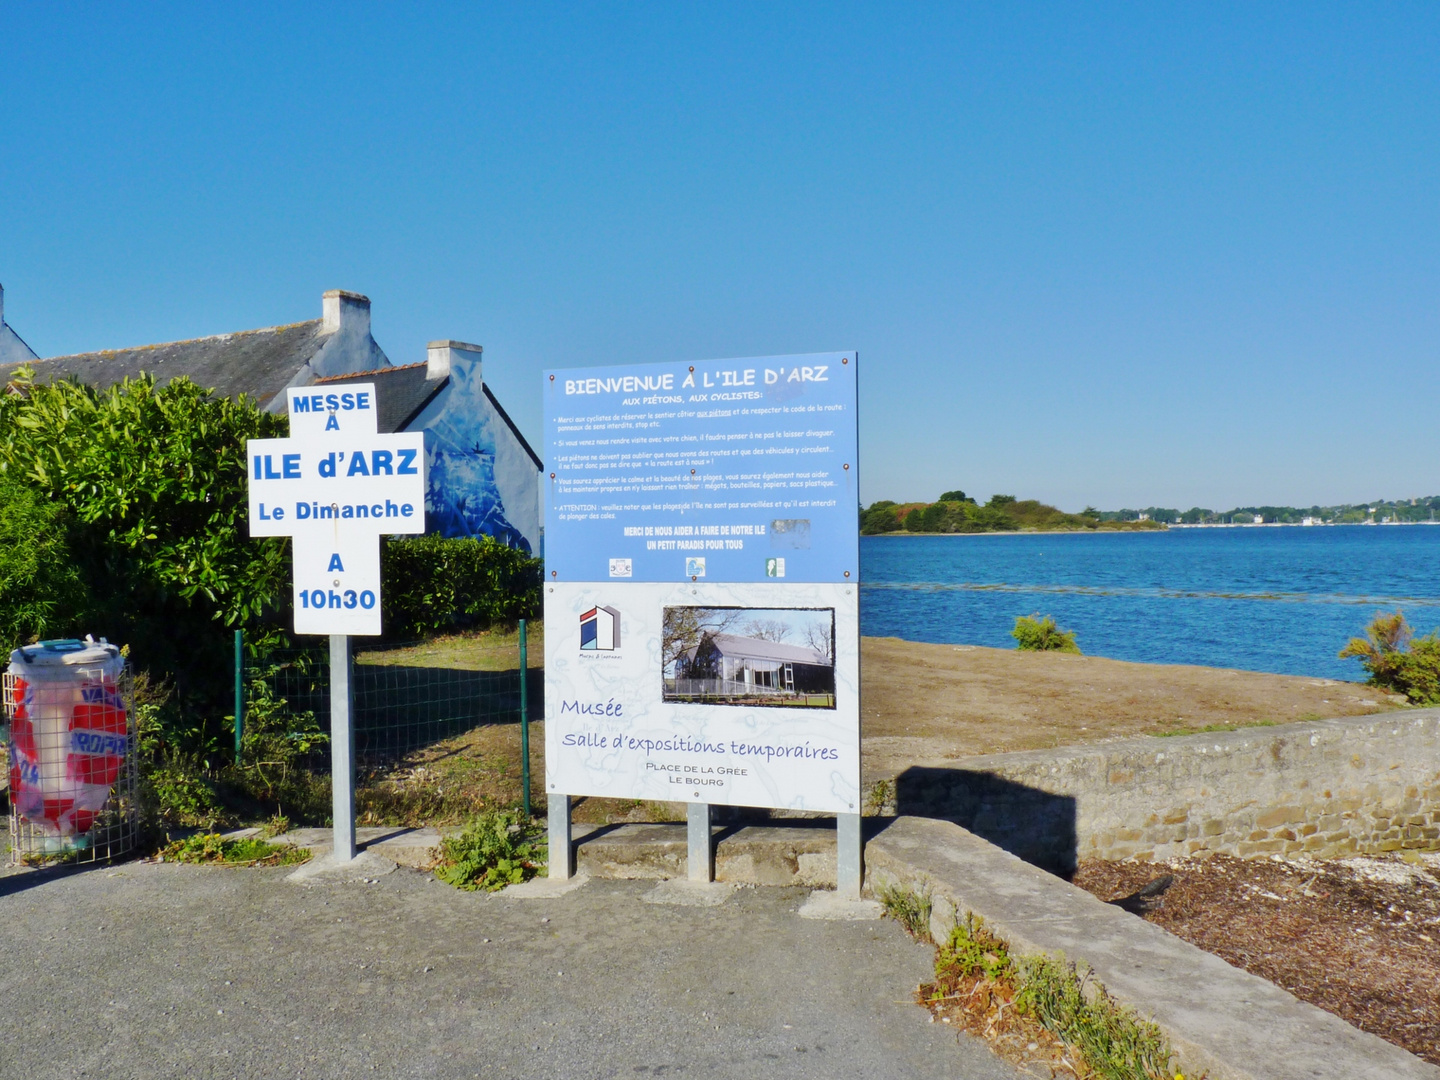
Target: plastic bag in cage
x,y
68,732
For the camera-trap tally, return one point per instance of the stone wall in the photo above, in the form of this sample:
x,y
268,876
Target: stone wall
x,y
1332,787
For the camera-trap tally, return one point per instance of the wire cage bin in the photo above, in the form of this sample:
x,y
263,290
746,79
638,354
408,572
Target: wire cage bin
x,y
69,708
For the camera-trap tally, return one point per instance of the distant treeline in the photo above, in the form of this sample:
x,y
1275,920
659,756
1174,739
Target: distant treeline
x,y
1380,511
956,512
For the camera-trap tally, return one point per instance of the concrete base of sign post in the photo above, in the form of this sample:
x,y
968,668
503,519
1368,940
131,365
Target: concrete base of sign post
x,y
543,888
690,893
822,904
328,870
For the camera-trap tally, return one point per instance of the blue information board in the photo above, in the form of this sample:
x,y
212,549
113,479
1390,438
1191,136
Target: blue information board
x,y
718,471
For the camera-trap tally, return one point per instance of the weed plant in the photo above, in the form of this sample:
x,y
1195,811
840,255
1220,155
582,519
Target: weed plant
x,y
498,848
976,967
214,849
1115,1042
910,908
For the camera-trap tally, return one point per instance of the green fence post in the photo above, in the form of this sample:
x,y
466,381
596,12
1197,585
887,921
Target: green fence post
x,y
524,723
239,691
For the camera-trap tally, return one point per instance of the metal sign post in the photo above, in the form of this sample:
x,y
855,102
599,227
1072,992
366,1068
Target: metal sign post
x,y
342,756
335,487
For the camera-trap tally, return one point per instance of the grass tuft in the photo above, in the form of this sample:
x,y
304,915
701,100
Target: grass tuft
x,y
911,909
1218,727
213,849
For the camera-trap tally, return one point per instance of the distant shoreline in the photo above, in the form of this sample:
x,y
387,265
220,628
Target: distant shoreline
x,y
1160,529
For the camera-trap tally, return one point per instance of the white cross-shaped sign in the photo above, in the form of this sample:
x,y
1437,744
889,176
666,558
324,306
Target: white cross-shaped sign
x,y
335,486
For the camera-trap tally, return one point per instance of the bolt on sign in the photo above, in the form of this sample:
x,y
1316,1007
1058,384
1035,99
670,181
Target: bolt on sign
x,y
335,486
702,634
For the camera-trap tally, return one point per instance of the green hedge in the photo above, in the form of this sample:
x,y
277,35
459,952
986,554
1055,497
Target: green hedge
x,y
434,585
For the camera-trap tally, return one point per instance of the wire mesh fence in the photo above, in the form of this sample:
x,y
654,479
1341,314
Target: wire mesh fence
x,y
406,696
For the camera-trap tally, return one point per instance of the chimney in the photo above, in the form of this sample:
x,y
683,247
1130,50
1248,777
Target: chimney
x,y
441,355
347,311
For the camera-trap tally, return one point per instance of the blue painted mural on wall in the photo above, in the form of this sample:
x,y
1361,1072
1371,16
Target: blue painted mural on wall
x,y
463,492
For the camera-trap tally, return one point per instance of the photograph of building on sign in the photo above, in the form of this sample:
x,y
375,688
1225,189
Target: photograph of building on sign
x,y
777,657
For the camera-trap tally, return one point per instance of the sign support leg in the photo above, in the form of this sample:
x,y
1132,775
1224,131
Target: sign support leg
x,y
848,852
562,851
701,854
342,757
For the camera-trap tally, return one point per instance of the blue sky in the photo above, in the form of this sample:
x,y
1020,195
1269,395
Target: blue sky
x,y
1120,254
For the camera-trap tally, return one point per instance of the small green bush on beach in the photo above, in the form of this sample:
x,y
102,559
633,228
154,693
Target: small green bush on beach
x,y
1397,660
1036,633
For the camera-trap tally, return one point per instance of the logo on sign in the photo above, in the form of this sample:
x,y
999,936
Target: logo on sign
x,y
600,629
774,567
620,568
694,567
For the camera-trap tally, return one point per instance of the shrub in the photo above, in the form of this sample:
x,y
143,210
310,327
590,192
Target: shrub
x,y
177,794
499,848
432,584
151,483
41,592
1034,633
1397,660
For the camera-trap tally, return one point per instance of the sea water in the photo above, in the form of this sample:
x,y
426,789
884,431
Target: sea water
x,y
1281,599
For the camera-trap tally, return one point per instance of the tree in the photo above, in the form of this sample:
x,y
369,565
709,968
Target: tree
x,y
955,496
767,629
998,501
820,637
152,482
880,518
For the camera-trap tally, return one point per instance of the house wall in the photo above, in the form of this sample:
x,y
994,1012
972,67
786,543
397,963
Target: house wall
x,y
481,481
347,348
12,349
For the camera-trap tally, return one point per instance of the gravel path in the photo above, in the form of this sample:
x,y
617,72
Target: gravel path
x,y
148,970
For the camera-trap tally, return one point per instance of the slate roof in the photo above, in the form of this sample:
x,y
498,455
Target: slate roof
x,y
401,391
744,648
260,363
